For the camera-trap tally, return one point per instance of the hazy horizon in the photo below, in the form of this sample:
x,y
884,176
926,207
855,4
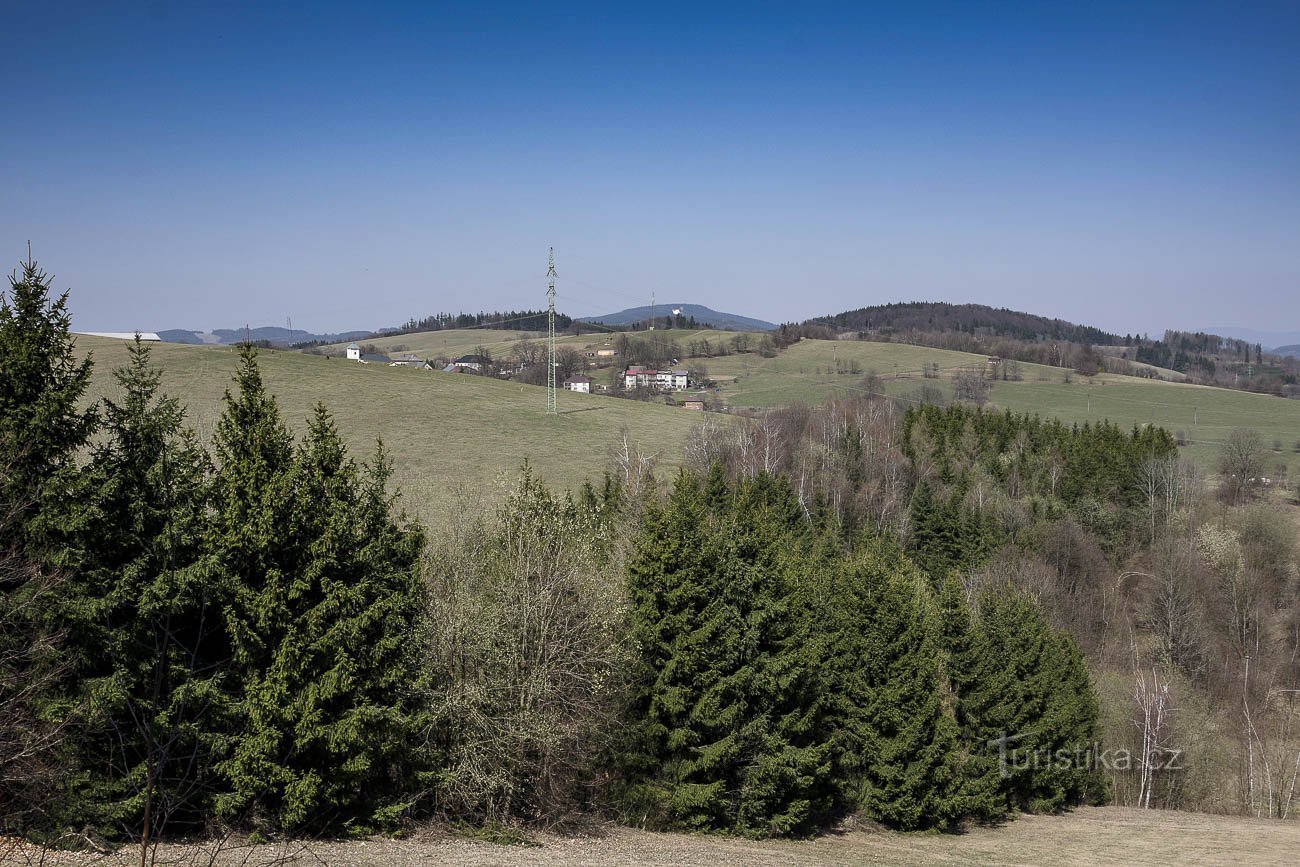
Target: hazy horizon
x,y
1133,169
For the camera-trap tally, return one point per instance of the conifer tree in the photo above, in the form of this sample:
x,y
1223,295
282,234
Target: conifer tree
x,y
895,733
721,691
325,613
254,552
979,683
1032,700
42,427
42,422
155,634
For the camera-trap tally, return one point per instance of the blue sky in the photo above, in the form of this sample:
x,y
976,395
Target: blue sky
x,y
1132,165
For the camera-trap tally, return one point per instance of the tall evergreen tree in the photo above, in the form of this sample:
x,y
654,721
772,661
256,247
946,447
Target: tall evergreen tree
x,y
1031,700
720,697
42,421
895,732
980,685
158,652
43,425
326,604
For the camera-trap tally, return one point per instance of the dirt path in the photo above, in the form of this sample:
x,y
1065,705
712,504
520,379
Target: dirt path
x,y
1094,836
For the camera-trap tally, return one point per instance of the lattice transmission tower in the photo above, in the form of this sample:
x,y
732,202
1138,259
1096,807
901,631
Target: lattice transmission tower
x,y
550,325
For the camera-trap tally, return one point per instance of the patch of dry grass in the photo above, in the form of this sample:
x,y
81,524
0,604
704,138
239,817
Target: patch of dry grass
x,y
1091,836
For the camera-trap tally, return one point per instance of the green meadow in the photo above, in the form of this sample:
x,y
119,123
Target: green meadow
x,y
454,342
813,370
451,435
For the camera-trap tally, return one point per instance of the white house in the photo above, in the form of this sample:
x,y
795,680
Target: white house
x,y
578,383
663,380
672,380
471,362
354,352
639,377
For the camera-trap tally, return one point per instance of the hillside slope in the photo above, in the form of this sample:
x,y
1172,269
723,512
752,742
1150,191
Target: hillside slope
x,y
446,432
936,316
811,371
705,316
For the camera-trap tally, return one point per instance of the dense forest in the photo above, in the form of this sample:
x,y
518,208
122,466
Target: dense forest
x,y
925,617
974,319
1203,358
506,320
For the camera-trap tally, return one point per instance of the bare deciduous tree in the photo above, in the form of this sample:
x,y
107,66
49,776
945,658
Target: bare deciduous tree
x,y
1241,461
528,651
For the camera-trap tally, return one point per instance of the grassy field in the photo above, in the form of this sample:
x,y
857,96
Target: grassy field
x,y
813,370
463,341
446,431
451,343
1105,836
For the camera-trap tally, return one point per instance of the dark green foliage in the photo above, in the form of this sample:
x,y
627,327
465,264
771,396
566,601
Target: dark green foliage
x,y
42,427
723,694
151,637
946,535
324,614
1026,708
1034,457
981,685
894,729
42,423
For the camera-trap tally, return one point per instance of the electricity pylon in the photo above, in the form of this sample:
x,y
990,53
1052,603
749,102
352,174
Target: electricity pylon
x,y
550,324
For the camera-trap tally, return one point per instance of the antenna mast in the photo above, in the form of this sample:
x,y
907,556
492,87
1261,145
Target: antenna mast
x,y
550,323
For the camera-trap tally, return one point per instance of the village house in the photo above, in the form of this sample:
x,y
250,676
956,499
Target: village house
x,y
578,383
354,353
661,380
475,363
695,402
639,377
410,360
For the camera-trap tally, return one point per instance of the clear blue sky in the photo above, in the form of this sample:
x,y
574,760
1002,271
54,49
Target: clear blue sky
x,y
201,165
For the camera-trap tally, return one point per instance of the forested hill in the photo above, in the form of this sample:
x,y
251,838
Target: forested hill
x,y
682,316
935,316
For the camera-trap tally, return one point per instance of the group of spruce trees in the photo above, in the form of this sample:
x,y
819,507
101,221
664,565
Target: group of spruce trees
x,y
787,677
223,639
236,634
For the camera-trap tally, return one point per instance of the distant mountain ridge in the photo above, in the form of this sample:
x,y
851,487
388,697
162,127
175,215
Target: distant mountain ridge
x,y
271,334
701,314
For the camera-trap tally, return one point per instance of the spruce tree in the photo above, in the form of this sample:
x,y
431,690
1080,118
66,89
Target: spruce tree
x,y
43,425
325,615
1031,702
42,421
979,683
895,733
159,653
722,690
